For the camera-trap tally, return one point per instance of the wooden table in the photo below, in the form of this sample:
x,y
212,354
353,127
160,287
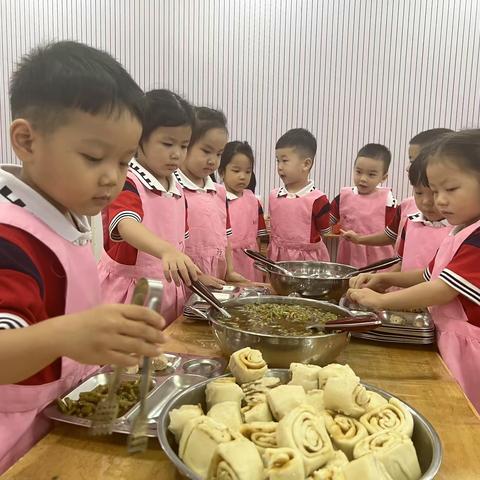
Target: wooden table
x,y
416,374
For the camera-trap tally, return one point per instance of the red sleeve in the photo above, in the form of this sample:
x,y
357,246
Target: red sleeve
x,y
401,244
390,214
335,210
229,226
262,227
393,225
127,205
427,273
27,295
462,273
320,218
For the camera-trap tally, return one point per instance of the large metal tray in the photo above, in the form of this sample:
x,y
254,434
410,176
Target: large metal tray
x,y
425,438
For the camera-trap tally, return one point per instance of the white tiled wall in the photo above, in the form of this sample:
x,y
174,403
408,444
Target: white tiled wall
x,y
352,71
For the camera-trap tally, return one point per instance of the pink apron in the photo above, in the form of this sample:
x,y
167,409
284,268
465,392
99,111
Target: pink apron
x,y
243,213
407,207
364,214
207,224
421,244
291,223
165,217
21,422
458,341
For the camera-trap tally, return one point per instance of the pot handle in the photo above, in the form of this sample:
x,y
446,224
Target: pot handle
x,y
261,267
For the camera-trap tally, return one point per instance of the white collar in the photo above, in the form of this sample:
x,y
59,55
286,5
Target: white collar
x,y
418,217
185,182
73,228
152,183
283,192
391,200
231,196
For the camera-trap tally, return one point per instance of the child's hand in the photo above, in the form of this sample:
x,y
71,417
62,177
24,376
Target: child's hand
x,y
374,281
211,281
235,277
350,235
111,334
366,297
179,267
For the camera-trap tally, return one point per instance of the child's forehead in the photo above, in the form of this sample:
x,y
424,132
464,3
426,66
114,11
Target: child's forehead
x,y
287,152
370,163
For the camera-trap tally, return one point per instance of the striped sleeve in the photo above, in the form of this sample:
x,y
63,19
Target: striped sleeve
x,y
127,205
335,210
462,272
262,227
401,244
187,230
391,230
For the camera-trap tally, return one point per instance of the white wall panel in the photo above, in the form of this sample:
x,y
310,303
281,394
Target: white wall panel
x,y
351,71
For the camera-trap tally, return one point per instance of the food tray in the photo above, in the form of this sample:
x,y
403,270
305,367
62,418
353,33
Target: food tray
x,y
182,372
425,438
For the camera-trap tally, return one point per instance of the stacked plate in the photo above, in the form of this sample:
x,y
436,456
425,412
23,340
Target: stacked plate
x,y
415,328
228,292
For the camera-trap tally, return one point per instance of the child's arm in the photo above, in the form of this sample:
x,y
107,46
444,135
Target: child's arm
x,y
103,335
232,275
381,281
176,265
425,294
375,239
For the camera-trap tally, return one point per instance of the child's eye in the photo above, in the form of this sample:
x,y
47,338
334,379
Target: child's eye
x,y
204,150
91,159
451,189
167,144
184,147
372,175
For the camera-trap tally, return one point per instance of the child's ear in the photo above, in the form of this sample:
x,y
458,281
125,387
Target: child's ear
x,y
384,178
308,163
22,137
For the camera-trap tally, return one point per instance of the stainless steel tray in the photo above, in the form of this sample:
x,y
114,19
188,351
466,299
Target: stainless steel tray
x,y
425,438
182,371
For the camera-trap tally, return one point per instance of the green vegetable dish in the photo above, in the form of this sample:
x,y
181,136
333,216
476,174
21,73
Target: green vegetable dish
x,y
128,394
276,319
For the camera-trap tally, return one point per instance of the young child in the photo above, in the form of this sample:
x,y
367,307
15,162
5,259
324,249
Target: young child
x,y
424,230
76,123
299,213
147,221
408,206
366,207
208,220
390,235
246,212
450,285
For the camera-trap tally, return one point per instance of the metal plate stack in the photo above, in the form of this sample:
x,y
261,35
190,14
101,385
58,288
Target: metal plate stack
x,y
228,292
415,328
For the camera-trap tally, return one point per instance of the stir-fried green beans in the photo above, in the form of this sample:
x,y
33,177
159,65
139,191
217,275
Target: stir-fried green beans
x,y
277,319
128,395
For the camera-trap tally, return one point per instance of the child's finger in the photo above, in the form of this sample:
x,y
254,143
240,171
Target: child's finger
x,y
146,315
185,274
137,346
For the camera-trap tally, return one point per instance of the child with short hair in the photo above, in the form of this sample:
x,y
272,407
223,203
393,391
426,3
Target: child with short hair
x,y
147,221
450,285
365,208
298,211
246,212
208,219
390,235
76,123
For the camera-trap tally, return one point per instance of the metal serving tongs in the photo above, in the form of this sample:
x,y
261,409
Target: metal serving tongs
x,y
380,265
202,291
148,293
266,262
359,323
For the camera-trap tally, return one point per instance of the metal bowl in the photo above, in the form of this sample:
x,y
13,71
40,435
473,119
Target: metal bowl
x,y
320,280
425,438
280,351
